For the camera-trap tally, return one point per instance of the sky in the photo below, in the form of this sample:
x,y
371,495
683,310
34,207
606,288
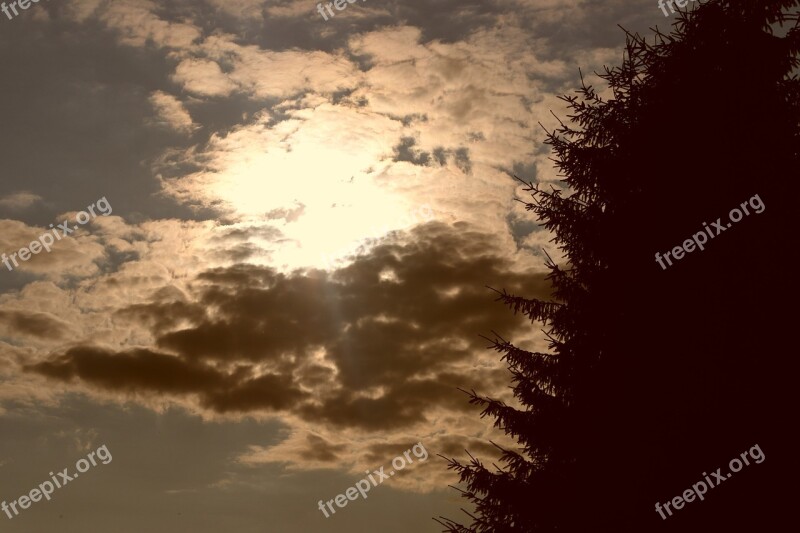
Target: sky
x,y
281,233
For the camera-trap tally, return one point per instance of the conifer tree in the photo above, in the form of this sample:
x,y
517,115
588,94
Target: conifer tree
x,y
657,376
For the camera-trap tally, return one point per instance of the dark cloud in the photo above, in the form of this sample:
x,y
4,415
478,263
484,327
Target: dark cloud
x,y
397,327
42,325
239,252
162,316
132,370
462,160
147,371
456,446
284,318
379,453
460,157
272,392
320,449
241,275
405,402
405,152
268,233
440,156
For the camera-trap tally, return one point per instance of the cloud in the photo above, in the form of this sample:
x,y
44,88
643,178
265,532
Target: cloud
x,y
41,325
309,136
320,449
82,9
239,8
137,25
203,77
133,370
75,255
19,201
171,112
352,348
262,73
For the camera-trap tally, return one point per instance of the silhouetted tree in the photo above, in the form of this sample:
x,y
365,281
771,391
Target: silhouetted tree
x,y
657,376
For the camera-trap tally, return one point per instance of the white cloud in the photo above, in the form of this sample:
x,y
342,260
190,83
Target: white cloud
x,y
172,112
19,201
137,24
203,77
